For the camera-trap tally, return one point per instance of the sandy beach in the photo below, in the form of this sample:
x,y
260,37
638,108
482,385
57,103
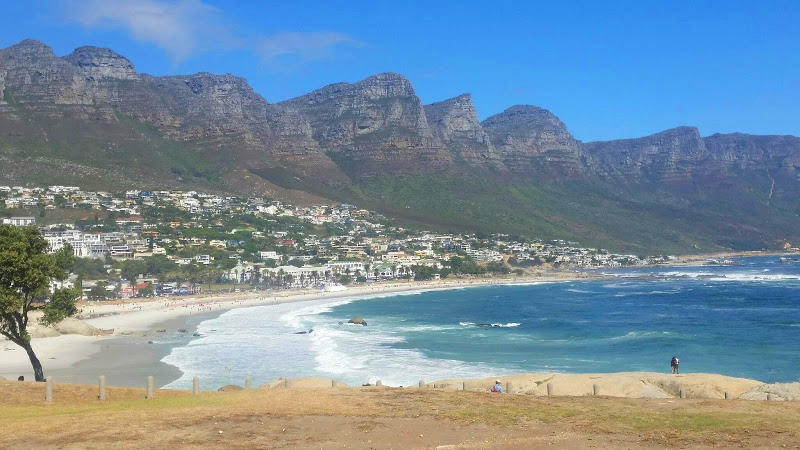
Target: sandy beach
x,y
127,357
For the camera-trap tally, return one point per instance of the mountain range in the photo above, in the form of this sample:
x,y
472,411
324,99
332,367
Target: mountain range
x,y
89,118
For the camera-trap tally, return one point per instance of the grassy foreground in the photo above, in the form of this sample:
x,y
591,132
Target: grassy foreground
x,y
381,418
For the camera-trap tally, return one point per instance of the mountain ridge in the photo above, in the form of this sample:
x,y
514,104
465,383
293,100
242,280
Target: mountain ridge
x,y
92,112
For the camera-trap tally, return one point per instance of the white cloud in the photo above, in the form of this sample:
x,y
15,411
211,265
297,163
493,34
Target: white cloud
x,y
286,51
181,28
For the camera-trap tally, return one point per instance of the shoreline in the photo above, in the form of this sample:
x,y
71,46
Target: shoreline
x,y
125,356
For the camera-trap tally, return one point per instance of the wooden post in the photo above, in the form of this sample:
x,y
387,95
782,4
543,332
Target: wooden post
x,y
509,386
595,389
727,395
150,390
769,397
248,383
379,383
465,386
48,389
102,394
681,394
196,385
549,388
287,383
421,384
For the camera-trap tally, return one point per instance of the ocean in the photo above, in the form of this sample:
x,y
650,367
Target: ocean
x,y
741,320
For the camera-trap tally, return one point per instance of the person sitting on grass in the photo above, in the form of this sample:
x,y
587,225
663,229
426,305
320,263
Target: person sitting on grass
x,y
497,388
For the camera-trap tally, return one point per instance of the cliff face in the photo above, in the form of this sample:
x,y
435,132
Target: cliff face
x,y
532,141
455,124
680,155
375,126
672,155
217,117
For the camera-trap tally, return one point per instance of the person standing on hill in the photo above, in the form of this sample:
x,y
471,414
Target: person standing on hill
x,y
674,363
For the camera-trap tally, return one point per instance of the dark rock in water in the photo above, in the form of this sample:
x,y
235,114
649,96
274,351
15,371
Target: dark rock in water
x,y
358,321
149,342
182,330
161,331
787,260
340,323
21,378
230,387
305,332
196,335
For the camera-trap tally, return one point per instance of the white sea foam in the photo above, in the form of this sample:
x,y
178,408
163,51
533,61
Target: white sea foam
x,y
507,325
261,342
579,291
493,325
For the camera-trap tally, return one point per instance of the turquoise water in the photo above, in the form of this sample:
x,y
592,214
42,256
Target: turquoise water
x,y
739,320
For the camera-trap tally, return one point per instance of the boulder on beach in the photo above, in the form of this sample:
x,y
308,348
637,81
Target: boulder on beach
x,y
68,326
230,387
357,321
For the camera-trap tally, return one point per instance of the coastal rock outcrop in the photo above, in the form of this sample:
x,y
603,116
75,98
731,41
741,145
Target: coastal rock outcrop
x,y
357,321
774,391
625,384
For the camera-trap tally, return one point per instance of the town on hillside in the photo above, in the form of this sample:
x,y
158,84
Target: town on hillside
x,y
142,243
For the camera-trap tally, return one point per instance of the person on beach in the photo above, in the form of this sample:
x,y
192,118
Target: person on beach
x,y
497,388
674,363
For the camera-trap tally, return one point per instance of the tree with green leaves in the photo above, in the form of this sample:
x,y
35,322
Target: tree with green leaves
x,y
131,269
98,292
26,271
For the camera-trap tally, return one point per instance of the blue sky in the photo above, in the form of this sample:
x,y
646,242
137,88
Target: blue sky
x,y
607,69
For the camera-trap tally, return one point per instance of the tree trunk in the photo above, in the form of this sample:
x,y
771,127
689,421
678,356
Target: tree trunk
x,y
38,373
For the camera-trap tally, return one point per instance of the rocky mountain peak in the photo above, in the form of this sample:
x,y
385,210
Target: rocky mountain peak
x,y
455,123
378,122
455,117
97,63
386,85
30,45
27,51
524,118
532,139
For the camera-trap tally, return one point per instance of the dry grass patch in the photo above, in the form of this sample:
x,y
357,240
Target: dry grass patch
x,y
308,417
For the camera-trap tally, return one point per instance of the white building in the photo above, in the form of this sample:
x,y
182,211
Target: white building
x,y
20,221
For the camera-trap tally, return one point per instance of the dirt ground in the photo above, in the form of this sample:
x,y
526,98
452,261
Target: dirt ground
x,y
381,418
